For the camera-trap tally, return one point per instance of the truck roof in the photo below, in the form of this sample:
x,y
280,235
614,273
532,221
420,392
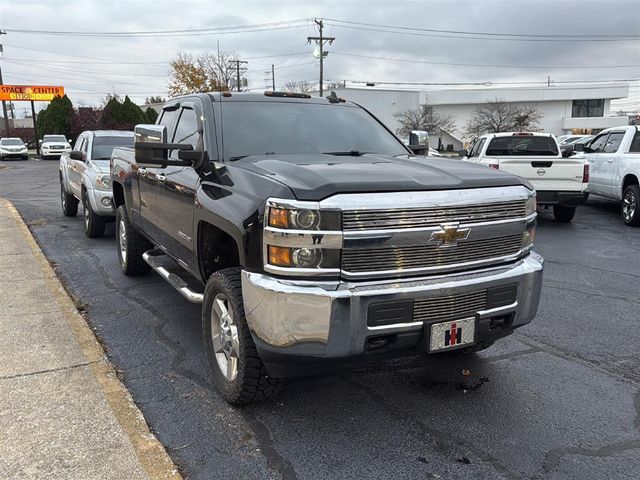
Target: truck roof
x,y
111,133
515,134
266,96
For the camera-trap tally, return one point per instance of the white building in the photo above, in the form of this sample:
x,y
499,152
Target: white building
x,y
565,109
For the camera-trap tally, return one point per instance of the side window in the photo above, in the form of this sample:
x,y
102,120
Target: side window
x,y
85,145
78,144
167,120
477,148
598,143
635,143
613,142
187,131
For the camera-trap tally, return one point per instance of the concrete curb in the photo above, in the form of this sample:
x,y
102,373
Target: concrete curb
x,y
151,453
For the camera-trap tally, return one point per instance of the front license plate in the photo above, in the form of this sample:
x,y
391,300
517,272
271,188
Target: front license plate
x,y
456,333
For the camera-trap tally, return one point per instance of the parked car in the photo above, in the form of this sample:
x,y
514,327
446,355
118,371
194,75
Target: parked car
x,y
614,158
313,238
567,147
84,177
559,182
52,146
13,148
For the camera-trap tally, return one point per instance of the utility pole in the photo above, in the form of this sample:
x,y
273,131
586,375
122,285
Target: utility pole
x,y
4,104
320,41
273,77
238,62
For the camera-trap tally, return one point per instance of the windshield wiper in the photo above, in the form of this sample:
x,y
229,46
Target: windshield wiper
x,y
349,153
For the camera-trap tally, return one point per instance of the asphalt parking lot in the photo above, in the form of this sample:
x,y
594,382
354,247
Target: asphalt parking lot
x,y
559,399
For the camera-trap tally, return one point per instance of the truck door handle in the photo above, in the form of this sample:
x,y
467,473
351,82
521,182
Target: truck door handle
x,y
142,172
161,178
610,161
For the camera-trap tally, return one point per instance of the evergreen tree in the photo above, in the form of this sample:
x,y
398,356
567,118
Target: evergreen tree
x,y
56,118
151,115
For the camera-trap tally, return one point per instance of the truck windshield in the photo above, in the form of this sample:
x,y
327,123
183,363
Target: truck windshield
x,y
522,145
13,142
54,138
258,128
103,146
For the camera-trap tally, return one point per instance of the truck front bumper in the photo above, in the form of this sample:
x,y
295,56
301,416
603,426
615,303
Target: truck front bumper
x,y
299,325
101,202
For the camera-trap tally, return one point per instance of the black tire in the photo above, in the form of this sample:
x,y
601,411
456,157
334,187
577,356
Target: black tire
x,y
251,382
631,205
68,202
563,213
131,245
93,223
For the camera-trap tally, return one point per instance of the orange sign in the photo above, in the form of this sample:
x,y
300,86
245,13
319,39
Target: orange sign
x,y
37,93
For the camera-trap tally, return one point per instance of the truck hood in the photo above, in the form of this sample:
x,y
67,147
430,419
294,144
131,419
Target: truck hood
x,y
315,177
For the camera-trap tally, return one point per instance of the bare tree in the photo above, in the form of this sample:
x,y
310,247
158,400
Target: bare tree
x,y
301,86
501,116
424,119
209,72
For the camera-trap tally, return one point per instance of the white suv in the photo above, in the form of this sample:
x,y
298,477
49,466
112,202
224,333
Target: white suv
x,y
52,146
13,148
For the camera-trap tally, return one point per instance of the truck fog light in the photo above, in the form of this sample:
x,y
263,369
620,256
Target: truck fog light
x,y
305,219
306,257
106,201
279,256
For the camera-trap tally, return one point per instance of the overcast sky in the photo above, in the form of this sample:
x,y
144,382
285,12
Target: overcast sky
x,y
89,67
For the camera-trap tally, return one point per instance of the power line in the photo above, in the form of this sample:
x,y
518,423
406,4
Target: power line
x,y
507,39
168,33
465,34
431,62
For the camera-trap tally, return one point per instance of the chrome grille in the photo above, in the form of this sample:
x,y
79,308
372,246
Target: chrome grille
x,y
452,307
431,216
424,256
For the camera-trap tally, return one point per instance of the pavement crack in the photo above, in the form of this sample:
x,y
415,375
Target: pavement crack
x,y
553,457
443,441
49,370
590,267
507,356
265,439
564,288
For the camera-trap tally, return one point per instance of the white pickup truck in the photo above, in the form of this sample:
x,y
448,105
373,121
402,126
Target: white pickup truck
x,y
84,177
559,182
614,159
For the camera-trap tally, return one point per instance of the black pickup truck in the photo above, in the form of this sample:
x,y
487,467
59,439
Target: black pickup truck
x,y
314,238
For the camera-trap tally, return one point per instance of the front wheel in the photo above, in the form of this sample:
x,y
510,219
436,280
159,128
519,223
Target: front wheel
x,y
68,202
563,213
93,223
131,245
631,205
238,372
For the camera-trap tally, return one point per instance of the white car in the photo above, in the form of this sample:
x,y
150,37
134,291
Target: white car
x,y
52,146
559,182
614,157
13,148
84,177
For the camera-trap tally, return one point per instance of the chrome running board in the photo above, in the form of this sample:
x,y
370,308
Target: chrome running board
x,y
154,259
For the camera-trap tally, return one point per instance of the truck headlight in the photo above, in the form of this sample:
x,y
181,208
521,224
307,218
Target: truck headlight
x,y
300,239
103,181
302,219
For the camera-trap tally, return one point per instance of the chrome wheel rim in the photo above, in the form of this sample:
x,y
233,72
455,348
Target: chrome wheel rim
x,y
122,241
629,206
224,336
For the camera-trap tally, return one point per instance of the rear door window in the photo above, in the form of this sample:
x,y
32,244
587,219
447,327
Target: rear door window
x,y
477,148
521,145
613,142
635,143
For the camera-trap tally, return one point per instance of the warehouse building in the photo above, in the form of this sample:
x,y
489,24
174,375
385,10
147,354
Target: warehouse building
x,y
565,109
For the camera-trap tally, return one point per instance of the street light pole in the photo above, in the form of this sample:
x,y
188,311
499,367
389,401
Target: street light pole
x,y
4,104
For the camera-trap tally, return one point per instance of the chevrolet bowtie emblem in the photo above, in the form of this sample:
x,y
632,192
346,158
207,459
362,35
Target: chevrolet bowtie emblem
x,y
449,235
